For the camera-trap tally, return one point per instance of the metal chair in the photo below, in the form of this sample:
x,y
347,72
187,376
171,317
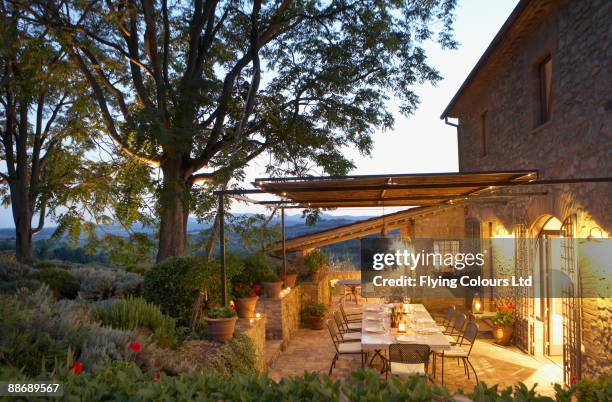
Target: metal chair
x,y
456,331
351,317
408,360
459,351
343,348
448,318
346,335
354,326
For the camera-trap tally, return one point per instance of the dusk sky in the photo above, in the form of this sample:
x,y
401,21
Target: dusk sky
x,y
422,142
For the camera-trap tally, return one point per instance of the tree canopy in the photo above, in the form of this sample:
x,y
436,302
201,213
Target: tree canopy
x,y
200,88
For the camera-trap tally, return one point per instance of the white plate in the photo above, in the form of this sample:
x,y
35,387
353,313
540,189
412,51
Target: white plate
x,y
373,319
427,331
407,338
375,330
372,308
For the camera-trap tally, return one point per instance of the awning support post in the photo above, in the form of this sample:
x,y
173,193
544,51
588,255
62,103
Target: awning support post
x,y
222,249
284,242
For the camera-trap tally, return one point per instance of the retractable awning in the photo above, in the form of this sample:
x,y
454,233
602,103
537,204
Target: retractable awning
x,y
390,190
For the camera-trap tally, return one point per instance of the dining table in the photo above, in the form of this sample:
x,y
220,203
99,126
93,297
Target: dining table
x,y
418,328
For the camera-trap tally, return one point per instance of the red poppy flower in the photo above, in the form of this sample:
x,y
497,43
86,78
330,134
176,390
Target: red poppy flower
x,y
157,376
135,346
77,368
573,379
253,293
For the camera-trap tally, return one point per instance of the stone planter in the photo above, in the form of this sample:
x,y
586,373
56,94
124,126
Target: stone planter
x,y
273,289
221,329
503,334
289,280
314,322
245,307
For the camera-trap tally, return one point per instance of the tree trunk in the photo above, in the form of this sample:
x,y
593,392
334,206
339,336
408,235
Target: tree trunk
x,y
22,216
174,210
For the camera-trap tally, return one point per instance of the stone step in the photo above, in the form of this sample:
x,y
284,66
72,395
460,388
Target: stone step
x,y
273,350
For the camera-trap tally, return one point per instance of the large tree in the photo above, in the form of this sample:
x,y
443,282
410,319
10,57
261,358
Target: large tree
x,y
199,88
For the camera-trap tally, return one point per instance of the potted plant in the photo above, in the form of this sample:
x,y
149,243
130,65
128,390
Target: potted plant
x,y
245,299
290,277
314,261
272,284
504,320
221,322
314,315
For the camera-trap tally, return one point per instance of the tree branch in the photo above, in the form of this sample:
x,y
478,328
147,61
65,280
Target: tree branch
x,y
41,218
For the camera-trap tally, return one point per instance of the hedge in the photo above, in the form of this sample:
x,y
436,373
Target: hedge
x,y
123,381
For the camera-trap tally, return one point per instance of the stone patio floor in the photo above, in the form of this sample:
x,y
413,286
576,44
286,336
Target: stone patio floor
x,y
313,351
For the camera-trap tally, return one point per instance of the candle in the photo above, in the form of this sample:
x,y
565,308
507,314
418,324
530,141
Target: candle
x,y
401,327
258,316
251,321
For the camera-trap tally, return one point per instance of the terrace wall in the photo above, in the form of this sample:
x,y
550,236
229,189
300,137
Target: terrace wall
x,y
257,333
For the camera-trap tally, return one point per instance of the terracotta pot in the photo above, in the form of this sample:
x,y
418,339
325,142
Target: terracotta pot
x,y
503,334
245,307
221,329
289,280
273,289
314,322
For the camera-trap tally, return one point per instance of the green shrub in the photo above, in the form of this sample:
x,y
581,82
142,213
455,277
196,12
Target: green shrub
x,y
14,286
236,356
104,345
121,381
255,265
315,309
44,264
99,283
175,283
599,389
132,313
221,312
13,271
315,260
62,282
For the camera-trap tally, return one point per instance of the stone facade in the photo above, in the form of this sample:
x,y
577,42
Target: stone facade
x,y
503,101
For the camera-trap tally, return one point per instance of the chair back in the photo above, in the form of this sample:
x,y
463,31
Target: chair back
x,y
459,322
333,333
409,354
344,315
469,336
448,316
339,322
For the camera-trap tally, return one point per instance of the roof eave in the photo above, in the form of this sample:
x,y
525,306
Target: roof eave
x,y
520,7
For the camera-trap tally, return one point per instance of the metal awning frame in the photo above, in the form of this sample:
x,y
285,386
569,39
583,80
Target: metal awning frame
x,y
287,204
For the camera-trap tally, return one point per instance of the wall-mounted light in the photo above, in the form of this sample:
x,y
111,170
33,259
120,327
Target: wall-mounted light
x,y
595,234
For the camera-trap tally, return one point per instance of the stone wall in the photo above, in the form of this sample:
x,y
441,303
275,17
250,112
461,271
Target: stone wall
x,y
257,332
282,315
575,143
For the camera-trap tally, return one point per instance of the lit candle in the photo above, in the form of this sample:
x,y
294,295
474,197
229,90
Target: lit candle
x,y
258,316
401,327
288,289
251,321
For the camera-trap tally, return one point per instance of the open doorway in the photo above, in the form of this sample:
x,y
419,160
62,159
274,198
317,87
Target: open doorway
x,y
548,309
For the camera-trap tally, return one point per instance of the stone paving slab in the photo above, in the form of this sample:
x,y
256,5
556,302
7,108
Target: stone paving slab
x,y
313,351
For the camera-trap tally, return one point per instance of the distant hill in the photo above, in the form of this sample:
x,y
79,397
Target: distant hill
x,y
294,226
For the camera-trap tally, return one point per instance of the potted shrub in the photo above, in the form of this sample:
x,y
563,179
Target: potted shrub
x,y
314,315
245,299
221,322
290,277
314,261
504,320
272,284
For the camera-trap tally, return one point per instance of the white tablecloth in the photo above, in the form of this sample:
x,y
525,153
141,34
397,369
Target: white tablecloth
x,y
377,341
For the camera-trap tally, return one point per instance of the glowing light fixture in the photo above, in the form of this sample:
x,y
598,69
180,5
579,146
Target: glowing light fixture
x,y
476,304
